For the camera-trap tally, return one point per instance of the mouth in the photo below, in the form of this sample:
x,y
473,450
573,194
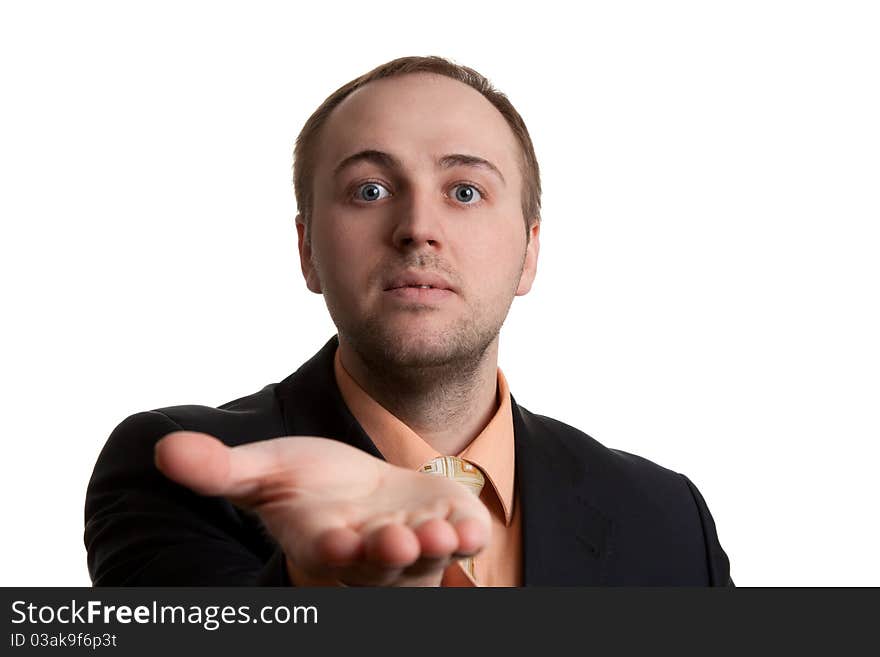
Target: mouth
x,y
419,293
419,281
416,287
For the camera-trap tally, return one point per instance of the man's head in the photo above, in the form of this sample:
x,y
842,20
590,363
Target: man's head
x,y
308,142
417,174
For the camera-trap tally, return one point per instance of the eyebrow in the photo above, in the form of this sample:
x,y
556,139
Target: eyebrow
x,y
388,161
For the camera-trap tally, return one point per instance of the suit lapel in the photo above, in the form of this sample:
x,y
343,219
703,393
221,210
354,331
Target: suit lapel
x,y
566,540
313,406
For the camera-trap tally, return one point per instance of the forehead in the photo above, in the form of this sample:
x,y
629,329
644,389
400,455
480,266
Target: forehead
x,y
417,118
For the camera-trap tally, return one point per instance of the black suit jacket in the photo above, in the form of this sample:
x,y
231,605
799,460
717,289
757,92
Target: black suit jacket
x,y
590,515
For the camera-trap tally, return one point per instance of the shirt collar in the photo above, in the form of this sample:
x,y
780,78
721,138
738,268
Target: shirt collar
x,y
492,450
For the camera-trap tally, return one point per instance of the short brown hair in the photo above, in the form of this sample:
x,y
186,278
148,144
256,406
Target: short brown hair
x,y
306,142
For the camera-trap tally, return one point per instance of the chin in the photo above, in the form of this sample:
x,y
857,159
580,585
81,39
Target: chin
x,y
418,347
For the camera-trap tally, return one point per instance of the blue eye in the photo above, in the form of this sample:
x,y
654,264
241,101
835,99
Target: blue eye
x,y
371,191
467,193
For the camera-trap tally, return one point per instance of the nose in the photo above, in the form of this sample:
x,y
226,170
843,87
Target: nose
x,y
418,222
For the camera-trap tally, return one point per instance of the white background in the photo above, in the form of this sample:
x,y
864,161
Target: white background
x,y
707,294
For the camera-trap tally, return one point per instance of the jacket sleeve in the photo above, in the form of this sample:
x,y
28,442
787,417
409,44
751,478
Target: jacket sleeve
x,y
142,529
718,563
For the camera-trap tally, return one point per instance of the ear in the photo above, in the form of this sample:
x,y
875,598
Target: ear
x,y
305,257
530,265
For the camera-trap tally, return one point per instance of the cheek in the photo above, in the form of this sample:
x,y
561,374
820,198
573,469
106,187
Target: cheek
x,y
344,252
494,259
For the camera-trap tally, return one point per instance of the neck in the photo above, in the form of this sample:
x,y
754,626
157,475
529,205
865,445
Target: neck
x,y
447,406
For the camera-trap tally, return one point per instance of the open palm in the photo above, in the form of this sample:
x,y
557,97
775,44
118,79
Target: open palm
x,y
337,512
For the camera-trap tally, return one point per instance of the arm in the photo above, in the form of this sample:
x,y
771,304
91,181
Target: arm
x,y
174,507
141,529
718,563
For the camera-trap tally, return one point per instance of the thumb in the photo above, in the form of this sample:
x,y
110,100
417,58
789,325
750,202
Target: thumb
x,y
196,460
247,475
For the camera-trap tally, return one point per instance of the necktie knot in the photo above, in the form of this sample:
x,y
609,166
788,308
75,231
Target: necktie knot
x,y
452,467
463,472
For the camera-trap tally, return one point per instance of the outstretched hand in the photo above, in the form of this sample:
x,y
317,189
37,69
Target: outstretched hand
x,y
337,512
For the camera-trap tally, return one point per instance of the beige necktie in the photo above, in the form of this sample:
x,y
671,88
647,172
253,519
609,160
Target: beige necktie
x,y
463,472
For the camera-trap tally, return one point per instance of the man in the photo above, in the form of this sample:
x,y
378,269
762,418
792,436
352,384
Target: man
x,y
418,195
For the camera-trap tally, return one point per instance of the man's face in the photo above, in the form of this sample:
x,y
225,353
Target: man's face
x,y
412,212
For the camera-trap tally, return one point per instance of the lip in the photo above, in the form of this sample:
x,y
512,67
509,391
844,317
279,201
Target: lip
x,y
411,280
419,294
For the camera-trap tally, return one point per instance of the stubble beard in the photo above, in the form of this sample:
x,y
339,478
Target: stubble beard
x,y
444,353
447,355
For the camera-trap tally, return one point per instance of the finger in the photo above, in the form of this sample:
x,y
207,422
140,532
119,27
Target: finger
x,y
392,546
332,552
387,551
439,541
339,547
247,474
195,460
473,536
437,538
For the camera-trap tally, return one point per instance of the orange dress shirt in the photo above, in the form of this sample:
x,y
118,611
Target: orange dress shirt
x,y
500,562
